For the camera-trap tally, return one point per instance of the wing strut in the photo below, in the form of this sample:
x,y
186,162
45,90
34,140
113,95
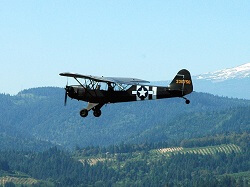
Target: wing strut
x,y
82,85
79,82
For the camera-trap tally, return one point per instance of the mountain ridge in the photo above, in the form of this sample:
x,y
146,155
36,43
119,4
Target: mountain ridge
x,y
39,114
238,72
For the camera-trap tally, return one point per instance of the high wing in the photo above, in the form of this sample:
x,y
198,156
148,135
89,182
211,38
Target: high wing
x,y
118,80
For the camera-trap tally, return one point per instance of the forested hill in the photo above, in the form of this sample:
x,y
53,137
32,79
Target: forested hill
x,y
221,160
35,119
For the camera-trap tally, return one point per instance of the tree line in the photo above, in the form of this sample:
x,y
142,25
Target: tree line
x,y
62,169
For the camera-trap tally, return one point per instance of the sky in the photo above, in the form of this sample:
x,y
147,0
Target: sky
x,y
150,40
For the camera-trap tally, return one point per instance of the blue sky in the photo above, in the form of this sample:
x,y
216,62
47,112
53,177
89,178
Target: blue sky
x,y
150,40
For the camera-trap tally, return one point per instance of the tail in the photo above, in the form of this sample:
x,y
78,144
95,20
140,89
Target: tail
x,y
182,82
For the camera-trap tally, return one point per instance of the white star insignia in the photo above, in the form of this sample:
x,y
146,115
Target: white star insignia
x,y
142,92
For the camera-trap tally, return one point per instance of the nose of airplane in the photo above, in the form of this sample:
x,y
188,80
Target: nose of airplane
x,y
69,91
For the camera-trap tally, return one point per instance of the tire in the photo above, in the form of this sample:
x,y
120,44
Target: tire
x,y
97,113
84,113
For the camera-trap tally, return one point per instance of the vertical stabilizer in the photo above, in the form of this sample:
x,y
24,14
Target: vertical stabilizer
x,y
182,82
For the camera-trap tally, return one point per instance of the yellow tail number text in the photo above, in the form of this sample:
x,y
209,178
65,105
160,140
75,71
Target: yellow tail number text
x,y
183,81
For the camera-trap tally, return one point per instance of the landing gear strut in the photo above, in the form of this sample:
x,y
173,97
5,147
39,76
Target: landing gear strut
x,y
186,100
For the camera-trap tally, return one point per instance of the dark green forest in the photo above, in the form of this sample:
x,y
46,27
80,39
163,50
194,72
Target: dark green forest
x,y
154,143
36,119
134,165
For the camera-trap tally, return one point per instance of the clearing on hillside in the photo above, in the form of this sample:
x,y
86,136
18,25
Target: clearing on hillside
x,y
228,148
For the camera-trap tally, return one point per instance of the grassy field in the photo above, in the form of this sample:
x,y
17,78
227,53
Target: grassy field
x,y
226,148
17,181
21,179
155,153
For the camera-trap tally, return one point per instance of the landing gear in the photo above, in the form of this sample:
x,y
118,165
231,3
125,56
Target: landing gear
x,y
84,113
97,113
186,100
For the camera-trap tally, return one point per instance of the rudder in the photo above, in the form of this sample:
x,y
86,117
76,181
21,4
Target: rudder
x,y
182,82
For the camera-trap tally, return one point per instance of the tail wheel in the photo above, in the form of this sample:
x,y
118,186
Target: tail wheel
x,y
84,113
186,100
97,113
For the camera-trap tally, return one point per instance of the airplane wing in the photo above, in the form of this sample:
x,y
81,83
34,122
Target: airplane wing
x,y
123,80
106,79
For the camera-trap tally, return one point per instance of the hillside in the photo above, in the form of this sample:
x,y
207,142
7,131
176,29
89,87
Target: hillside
x,y
224,161
35,119
198,124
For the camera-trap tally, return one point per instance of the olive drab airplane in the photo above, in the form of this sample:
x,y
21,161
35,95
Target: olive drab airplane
x,y
98,91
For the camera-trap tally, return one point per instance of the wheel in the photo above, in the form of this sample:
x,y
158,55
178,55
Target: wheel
x,y
187,101
84,113
97,113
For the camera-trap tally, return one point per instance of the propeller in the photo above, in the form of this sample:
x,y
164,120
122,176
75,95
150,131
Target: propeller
x,y
66,94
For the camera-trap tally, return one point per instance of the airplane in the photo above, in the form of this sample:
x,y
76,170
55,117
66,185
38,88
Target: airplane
x,y
98,91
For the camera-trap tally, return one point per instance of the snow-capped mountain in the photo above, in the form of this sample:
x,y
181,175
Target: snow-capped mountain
x,y
230,82
238,72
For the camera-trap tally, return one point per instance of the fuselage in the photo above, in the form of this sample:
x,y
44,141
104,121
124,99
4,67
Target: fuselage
x,y
134,93
98,91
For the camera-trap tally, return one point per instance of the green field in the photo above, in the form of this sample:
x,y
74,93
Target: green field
x,y
22,180
157,153
226,148
17,180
